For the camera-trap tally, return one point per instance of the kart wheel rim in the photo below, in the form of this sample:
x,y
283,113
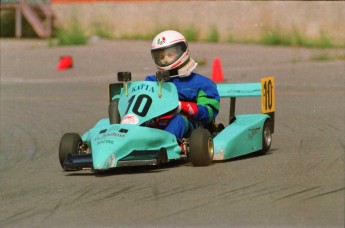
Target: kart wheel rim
x,y
210,147
267,136
79,148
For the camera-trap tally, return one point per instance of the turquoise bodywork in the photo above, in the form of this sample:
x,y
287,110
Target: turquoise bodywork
x,y
239,90
146,100
241,137
110,143
244,134
143,101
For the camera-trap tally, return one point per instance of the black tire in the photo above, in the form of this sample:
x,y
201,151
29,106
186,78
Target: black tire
x,y
266,137
69,144
201,147
114,115
220,127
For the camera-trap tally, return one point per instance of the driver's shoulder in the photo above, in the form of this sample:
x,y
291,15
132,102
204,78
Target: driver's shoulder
x,y
200,79
151,78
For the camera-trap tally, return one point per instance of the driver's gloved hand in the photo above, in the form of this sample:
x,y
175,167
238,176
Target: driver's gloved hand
x,y
187,108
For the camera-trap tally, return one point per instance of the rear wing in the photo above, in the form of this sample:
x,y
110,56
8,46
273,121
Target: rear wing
x,y
239,90
264,89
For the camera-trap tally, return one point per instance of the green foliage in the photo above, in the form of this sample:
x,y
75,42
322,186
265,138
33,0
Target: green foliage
x,y
102,30
295,38
231,39
269,36
137,36
213,35
324,41
324,56
191,33
274,37
71,35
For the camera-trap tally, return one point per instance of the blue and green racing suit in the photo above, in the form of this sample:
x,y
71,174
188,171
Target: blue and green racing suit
x,y
194,88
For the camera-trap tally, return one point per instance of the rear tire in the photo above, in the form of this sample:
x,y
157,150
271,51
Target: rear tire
x,y
69,144
266,137
201,147
114,115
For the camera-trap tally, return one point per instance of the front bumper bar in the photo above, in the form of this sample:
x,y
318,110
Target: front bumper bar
x,y
77,162
135,158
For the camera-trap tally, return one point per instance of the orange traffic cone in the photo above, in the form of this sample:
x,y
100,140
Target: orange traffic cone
x,y
65,63
217,73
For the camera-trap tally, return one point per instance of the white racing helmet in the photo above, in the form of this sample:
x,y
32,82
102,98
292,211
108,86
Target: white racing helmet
x,y
170,50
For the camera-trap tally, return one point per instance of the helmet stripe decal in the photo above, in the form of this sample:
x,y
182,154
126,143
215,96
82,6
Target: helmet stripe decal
x,y
173,41
176,64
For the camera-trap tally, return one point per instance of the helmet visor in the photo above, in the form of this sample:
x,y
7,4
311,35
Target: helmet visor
x,y
169,55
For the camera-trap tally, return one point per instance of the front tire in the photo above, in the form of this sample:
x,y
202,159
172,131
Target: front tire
x,y
70,144
201,147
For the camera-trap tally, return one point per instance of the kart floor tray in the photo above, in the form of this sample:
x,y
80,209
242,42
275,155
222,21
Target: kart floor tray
x,y
144,157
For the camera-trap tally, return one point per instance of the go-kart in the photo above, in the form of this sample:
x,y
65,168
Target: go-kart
x,y
126,139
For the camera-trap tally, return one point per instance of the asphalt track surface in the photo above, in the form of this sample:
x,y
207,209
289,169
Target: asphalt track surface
x,y
299,183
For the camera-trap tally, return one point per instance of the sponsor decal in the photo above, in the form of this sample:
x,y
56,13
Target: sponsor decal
x,y
161,41
244,91
143,87
130,119
114,134
190,109
107,141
